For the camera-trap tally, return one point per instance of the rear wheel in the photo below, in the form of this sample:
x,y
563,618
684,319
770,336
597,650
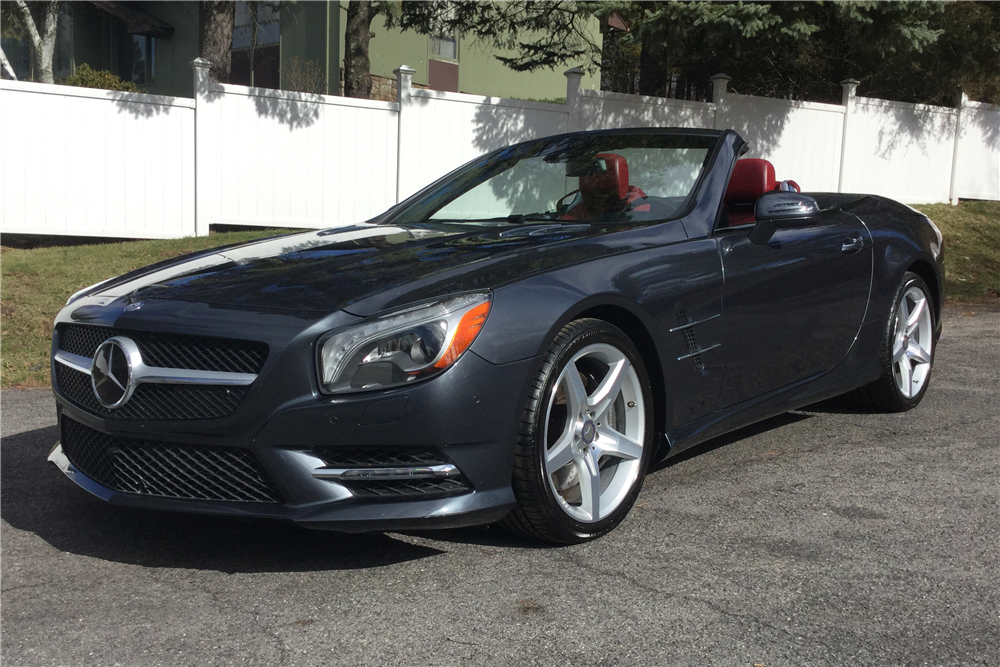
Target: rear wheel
x,y
907,350
585,436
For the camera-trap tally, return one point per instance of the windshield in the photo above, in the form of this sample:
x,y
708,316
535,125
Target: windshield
x,y
606,178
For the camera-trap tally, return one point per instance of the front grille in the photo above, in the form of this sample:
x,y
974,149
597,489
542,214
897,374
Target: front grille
x,y
153,401
365,457
162,401
167,470
197,353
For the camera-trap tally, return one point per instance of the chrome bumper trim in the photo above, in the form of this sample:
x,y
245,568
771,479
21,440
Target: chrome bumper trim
x,y
387,474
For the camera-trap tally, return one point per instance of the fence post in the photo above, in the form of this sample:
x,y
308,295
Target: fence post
x,y
850,87
952,197
406,137
574,78
720,96
206,161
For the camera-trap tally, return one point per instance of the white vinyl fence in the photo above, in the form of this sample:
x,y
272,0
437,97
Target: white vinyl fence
x,y
75,161
292,159
86,162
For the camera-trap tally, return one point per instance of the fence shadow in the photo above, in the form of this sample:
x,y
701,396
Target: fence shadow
x,y
493,129
139,108
907,128
37,498
986,121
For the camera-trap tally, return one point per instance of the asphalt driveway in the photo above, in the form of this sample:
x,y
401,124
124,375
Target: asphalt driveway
x,y
821,537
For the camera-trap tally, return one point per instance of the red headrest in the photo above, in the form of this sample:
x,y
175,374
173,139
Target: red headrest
x,y
751,178
614,182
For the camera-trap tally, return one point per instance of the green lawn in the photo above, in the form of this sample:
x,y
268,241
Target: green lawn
x,y
971,248
36,283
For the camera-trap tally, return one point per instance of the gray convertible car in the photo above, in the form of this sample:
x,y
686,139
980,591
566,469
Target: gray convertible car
x,y
515,343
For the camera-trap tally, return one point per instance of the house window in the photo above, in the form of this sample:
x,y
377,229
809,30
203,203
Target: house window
x,y
255,49
143,60
442,46
442,63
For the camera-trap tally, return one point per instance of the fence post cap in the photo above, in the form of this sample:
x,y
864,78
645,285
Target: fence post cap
x,y
574,71
201,63
404,69
721,77
849,82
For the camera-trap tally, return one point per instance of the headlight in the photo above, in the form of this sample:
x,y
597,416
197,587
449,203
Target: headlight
x,y
402,347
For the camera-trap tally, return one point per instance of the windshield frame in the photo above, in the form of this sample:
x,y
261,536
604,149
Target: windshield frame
x,y
481,169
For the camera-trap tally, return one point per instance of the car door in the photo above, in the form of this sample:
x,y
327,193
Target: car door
x,y
793,306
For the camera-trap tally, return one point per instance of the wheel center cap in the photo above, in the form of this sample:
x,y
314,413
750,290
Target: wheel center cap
x,y
588,432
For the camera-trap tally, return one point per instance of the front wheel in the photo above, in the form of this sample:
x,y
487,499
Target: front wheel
x,y
586,435
907,350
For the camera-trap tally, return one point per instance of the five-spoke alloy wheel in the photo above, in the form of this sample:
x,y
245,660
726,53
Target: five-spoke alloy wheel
x,y
907,350
586,436
912,341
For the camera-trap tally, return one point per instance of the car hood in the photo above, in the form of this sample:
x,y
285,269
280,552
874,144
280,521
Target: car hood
x,y
332,269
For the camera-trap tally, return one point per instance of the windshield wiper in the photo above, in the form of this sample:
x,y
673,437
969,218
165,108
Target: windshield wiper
x,y
514,218
520,218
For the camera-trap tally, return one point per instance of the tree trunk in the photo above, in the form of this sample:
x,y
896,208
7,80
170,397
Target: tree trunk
x,y
44,42
357,66
217,37
653,64
5,64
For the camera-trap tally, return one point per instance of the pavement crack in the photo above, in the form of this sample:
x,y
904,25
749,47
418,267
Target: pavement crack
x,y
19,588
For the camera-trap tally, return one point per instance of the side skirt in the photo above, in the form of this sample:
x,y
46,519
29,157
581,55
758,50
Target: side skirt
x,y
791,397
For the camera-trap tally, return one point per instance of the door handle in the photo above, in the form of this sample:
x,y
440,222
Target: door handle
x,y
852,243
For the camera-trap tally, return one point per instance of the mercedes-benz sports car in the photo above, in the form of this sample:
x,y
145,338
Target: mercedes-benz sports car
x,y
516,342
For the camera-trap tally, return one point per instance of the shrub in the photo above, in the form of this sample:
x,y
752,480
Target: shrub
x,y
304,76
87,77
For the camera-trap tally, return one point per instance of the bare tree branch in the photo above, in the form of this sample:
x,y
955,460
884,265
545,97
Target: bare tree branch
x,y
29,24
5,64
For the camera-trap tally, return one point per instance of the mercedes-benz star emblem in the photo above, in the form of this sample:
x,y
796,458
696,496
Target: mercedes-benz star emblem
x,y
111,374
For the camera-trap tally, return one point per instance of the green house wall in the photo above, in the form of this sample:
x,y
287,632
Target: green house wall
x,y
315,31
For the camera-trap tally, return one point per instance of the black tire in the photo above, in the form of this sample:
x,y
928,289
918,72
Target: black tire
x,y
543,511
884,394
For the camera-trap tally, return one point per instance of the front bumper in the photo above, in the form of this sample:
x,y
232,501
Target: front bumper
x,y
469,414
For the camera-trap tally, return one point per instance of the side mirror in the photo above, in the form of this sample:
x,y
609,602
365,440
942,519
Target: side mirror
x,y
780,209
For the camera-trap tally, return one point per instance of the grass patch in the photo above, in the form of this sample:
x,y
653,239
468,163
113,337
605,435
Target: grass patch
x,y
35,284
971,233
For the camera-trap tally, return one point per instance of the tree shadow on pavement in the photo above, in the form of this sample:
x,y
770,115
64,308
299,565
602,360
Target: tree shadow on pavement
x,y
36,497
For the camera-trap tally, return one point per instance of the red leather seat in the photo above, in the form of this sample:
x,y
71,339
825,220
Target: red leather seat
x,y
608,192
751,178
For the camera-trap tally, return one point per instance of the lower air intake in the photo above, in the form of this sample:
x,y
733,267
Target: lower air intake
x,y
167,470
